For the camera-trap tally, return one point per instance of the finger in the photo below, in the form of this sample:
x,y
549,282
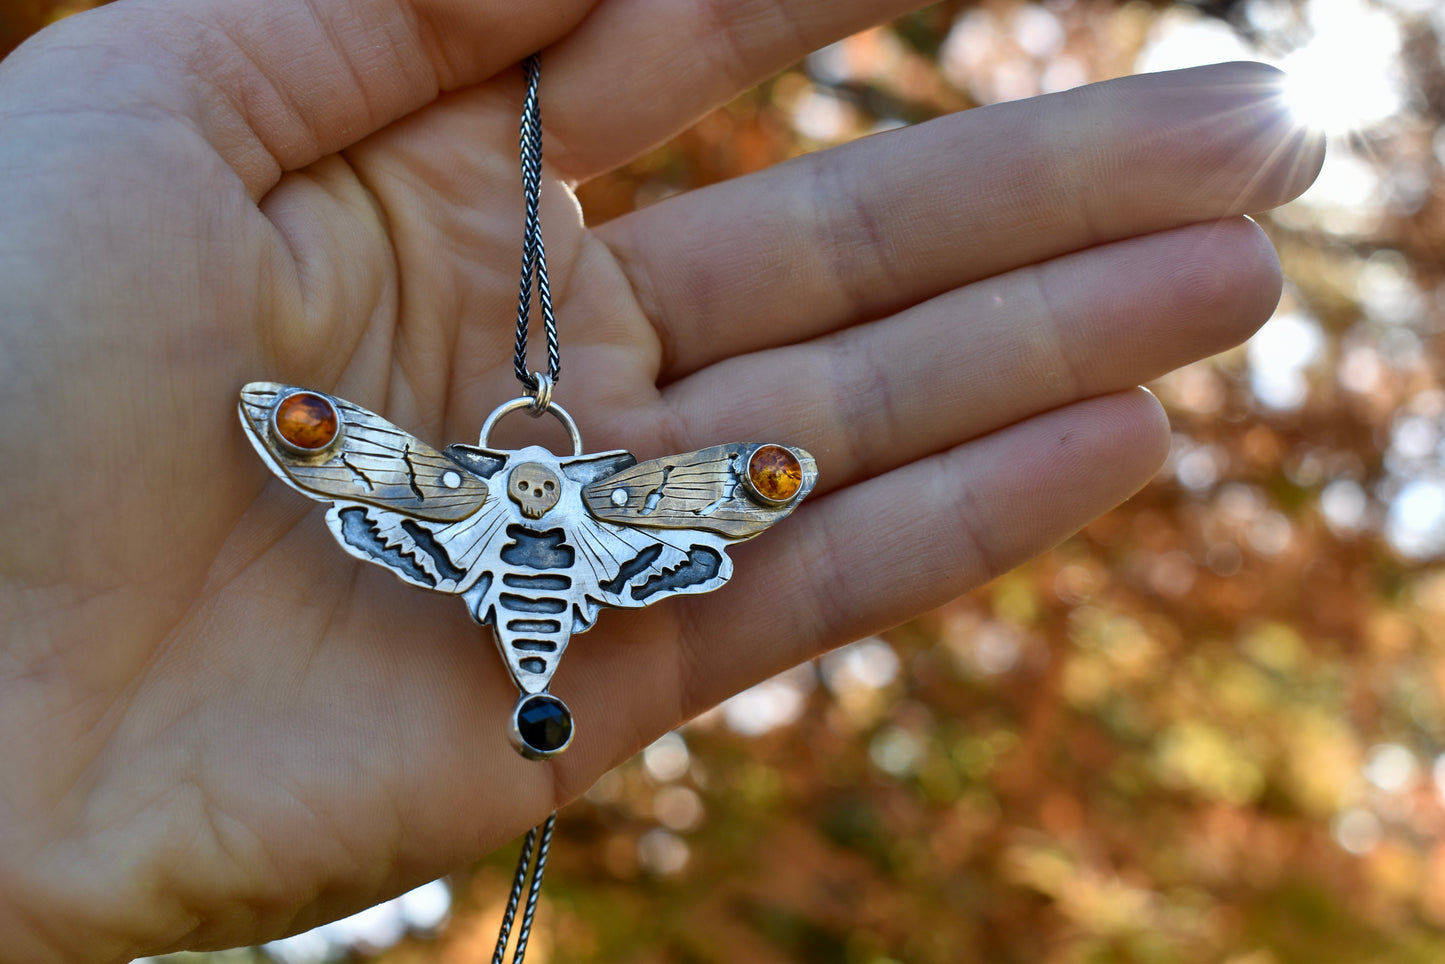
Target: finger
x,y
276,86
863,559
879,395
638,71
877,553
862,230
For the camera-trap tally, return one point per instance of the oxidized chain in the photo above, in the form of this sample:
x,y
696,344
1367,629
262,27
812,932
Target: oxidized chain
x,y
534,266
533,887
534,252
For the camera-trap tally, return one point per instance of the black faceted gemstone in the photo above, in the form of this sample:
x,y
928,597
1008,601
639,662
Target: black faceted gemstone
x,y
544,723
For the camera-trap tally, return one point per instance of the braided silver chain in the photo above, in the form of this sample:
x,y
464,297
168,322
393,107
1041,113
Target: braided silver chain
x,y
534,252
533,888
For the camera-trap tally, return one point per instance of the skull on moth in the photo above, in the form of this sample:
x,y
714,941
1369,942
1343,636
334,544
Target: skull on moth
x,y
535,488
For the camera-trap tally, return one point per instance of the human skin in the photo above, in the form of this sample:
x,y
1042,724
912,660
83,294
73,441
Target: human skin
x,y
217,727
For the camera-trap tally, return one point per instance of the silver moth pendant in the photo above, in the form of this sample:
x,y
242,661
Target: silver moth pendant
x,y
536,544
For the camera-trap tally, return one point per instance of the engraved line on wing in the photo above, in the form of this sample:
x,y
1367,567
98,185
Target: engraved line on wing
x,y
601,581
359,477
367,431
687,546
425,540
615,534
589,541
688,473
372,426
693,473
730,488
649,539
729,491
626,535
485,533
411,475
649,504
362,445
480,526
421,450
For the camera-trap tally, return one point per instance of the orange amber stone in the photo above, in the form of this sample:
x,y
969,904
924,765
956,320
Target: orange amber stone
x,y
775,473
307,421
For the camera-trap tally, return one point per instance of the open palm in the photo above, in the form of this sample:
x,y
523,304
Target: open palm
x,y
217,727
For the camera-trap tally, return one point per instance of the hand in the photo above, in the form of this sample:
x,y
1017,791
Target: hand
x,y
217,727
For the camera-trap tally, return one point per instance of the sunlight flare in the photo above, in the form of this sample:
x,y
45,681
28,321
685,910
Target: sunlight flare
x,y
1347,76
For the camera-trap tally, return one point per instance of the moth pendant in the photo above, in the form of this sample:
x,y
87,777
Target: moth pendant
x,y
536,544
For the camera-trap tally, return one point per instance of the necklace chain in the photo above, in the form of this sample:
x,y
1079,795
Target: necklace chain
x,y
533,888
538,842
534,252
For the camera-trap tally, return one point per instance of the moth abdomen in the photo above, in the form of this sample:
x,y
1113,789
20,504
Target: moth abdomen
x,y
532,631
535,626
540,582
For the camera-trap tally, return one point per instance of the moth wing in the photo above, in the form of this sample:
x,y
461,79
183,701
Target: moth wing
x,y
395,501
710,489
630,567
432,555
373,463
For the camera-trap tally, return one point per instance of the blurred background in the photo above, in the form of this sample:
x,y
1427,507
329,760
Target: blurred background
x,y
1208,728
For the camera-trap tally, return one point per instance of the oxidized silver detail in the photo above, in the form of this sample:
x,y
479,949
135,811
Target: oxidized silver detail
x,y
536,573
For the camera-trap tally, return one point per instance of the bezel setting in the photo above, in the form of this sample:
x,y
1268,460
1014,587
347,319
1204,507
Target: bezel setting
x,y
751,486
300,451
536,750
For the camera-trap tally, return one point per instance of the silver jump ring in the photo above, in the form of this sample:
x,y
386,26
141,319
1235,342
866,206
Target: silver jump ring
x,y
527,401
541,395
